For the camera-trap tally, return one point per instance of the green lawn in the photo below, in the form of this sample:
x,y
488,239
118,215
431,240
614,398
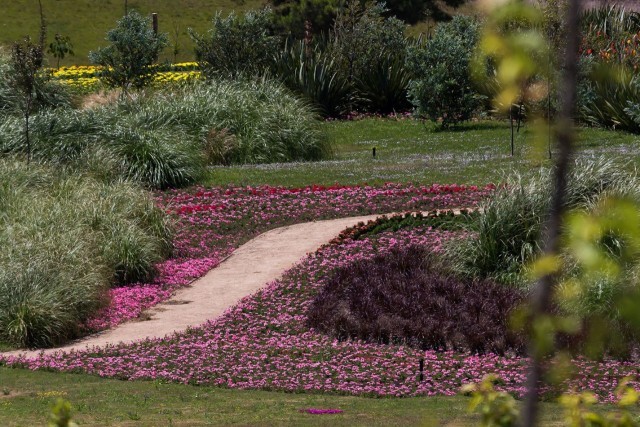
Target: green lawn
x,y
26,398
411,151
87,21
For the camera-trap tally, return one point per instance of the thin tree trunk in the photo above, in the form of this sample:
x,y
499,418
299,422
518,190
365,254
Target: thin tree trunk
x,y
565,136
43,27
549,98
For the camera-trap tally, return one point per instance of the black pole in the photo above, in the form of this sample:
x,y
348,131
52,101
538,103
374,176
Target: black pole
x,y
511,124
154,17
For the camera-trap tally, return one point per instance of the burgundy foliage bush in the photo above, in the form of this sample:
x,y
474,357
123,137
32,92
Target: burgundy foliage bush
x,y
403,297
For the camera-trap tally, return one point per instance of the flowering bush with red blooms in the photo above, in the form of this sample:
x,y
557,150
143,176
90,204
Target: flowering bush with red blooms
x,y
621,50
214,221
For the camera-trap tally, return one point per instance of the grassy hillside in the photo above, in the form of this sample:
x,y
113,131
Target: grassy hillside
x,y
87,21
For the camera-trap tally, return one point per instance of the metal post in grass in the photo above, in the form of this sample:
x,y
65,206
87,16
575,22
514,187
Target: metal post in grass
x,y
154,17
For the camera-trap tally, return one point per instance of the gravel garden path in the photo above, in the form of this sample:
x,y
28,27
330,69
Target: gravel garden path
x,y
250,267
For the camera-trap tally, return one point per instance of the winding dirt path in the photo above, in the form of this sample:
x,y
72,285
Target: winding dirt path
x,y
250,267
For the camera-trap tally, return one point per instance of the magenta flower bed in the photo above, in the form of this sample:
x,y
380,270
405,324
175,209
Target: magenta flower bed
x,y
263,342
213,222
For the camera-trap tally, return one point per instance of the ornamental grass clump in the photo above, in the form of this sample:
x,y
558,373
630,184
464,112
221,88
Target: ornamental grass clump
x,y
166,139
404,297
507,233
64,241
269,123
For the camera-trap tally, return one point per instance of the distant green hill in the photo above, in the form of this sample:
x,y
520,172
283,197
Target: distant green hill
x,y
87,21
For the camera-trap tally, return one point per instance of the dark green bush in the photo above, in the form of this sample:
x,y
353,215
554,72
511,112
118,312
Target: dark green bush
x,y
312,73
291,16
360,66
369,51
300,18
384,87
442,87
237,46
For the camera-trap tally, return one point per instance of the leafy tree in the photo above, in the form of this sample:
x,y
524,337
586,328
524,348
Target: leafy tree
x,y
60,47
128,61
27,61
361,35
295,17
237,46
442,88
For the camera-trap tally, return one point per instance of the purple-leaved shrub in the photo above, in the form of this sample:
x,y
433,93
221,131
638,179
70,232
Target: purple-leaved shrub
x,y
404,297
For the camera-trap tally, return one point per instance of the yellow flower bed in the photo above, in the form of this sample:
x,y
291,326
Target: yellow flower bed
x,y
177,76
85,77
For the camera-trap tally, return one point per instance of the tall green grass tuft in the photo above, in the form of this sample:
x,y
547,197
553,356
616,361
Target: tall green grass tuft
x,y
165,139
507,233
64,240
610,20
311,72
269,123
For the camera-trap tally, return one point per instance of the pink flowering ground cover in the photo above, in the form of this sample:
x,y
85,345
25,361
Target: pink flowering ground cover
x,y
212,222
264,342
